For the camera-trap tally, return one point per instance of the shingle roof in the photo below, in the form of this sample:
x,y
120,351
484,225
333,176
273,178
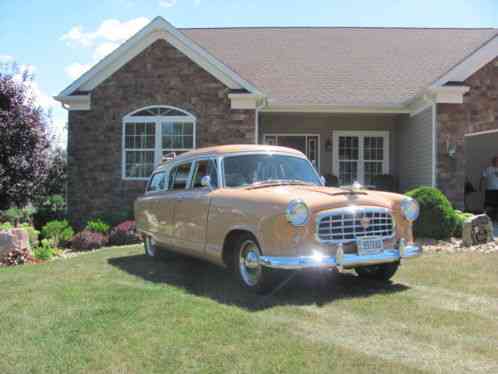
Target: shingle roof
x,y
340,65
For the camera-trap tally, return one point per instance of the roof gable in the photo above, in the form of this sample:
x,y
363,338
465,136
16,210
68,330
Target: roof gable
x,y
157,29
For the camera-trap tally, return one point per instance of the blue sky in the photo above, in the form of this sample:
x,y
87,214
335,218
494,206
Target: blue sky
x,y
58,40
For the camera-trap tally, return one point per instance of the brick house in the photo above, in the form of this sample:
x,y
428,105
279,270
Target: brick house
x,y
358,101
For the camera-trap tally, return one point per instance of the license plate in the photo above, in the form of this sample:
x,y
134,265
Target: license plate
x,y
367,246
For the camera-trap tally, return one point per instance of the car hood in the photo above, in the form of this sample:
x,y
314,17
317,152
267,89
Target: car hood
x,y
320,198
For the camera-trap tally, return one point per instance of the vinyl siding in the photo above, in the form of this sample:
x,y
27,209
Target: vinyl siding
x,y
415,150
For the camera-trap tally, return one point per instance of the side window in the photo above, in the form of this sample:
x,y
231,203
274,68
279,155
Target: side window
x,y
156,182
203,168
178,177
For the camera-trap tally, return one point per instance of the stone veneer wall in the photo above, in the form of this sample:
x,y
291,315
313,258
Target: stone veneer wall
x,y
160,75
479,112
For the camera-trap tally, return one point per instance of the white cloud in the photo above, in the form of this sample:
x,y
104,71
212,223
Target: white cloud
x,y
111,30
75,70
167,3
105,39
104,49
6,59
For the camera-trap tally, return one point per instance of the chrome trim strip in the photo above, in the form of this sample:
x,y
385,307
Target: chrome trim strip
x,y
353,209
341,260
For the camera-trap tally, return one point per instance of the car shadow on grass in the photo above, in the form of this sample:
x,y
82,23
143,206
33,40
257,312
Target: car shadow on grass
x,y
297,288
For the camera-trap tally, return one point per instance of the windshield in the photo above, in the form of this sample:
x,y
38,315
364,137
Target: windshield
x,y
245,170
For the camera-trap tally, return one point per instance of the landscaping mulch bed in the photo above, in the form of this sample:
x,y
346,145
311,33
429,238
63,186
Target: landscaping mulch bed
x,y
455,246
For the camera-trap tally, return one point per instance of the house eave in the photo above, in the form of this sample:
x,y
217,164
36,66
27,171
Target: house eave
x,y
75,102
323,108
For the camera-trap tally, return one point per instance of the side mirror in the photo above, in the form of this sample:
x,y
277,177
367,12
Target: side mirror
x,y
322,179
206,182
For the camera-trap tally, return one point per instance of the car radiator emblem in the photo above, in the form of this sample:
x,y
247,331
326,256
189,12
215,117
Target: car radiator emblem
x,y
365,222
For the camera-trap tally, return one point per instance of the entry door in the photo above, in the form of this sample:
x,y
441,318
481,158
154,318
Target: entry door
x,y
308,144
360,156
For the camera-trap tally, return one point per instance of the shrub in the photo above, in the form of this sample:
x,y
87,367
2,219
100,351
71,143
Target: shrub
x,y
88,240
124,233
98,226
114,218
60,232
45,251
52,208
460,219
437,218
6,226
33,234
19,215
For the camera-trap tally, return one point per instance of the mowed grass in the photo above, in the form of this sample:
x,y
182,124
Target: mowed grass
x,y
116,311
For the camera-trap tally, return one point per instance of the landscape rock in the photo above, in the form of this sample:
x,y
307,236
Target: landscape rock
x,y
13,239
477,230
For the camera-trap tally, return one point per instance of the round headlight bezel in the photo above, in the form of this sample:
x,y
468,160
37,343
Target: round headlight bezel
x,y
410,209
291,212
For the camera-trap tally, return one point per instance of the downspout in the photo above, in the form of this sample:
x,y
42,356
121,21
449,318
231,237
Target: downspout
x,y
256,121
434,143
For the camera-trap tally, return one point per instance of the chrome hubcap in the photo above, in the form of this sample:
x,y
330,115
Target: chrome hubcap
x,y
150,246
250,268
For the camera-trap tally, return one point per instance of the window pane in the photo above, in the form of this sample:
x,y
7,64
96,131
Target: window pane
x,y
157,182
203,168
178,177
140,135
139,164
372,169
177,135
348,148
373,148
348,172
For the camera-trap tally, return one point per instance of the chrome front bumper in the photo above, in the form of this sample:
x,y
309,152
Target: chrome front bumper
x,y
341,260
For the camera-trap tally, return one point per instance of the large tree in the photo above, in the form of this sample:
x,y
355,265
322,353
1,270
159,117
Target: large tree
x,y
23,142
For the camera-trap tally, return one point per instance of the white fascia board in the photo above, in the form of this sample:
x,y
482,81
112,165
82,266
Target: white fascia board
x,y
75,102
158,28
245,101
333,109
449,94
472,63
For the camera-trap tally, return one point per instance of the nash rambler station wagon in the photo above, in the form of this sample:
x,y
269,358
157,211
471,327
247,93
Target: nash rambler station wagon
x,y
256,209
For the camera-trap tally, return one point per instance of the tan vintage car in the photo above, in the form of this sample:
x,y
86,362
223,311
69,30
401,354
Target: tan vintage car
x,y
256,209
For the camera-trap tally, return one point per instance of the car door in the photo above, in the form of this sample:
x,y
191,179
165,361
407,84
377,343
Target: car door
x,y
191,211
148,217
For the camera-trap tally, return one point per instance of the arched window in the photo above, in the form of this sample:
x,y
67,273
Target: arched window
x,y
151,132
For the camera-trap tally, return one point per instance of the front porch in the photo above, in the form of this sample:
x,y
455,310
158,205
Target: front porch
x,y
359,146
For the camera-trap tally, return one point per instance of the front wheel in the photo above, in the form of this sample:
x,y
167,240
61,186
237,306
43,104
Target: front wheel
x,y
382,272
250,273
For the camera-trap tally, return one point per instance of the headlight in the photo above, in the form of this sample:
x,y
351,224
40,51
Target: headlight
x,y
297,213
410,208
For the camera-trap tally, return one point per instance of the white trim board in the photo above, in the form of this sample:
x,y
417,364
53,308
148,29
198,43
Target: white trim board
x,y
482,133
157,29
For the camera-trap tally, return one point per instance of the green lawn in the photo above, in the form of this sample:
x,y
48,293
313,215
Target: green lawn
x,y
117,311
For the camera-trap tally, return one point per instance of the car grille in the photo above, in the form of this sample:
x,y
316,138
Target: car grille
x,y
345,225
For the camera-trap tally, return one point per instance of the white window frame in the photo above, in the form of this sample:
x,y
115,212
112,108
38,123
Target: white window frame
x,y
361,162
157,120
306,135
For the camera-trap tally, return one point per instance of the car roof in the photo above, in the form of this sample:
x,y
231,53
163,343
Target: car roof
x,y
224,150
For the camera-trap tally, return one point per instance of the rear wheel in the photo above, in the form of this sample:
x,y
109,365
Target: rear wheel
x,y
381,272
250,273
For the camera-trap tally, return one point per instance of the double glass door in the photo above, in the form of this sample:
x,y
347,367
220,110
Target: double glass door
x,y
360,157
